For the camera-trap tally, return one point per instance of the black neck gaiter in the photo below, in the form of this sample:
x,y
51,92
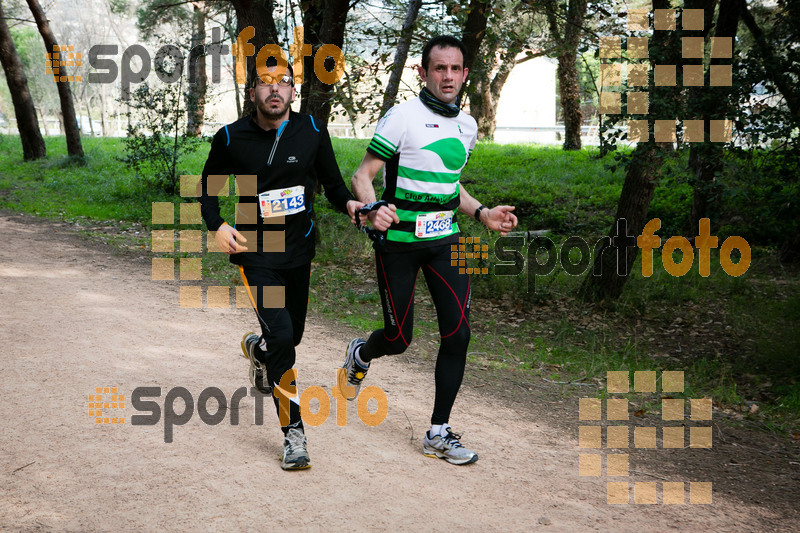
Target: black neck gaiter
x,y
437,106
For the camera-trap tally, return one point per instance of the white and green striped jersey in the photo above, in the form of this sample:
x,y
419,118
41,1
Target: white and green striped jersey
x,y
425,154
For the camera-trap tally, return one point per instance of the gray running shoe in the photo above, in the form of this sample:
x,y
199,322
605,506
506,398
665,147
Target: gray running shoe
x,y
448,448
258,374
295,455
354,373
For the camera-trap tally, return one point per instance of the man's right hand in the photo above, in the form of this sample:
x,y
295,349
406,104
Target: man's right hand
x,y
226,237
384,217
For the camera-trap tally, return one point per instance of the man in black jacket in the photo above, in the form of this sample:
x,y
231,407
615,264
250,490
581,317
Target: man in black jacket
x,y
278,156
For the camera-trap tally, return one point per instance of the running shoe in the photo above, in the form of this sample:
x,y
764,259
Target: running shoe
x,y
258,374
354,373
448,448
295,454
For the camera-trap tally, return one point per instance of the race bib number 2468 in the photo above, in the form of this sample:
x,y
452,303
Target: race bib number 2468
x,y
434,224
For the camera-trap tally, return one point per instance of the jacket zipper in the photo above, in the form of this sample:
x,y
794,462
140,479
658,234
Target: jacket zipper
x,y
274,147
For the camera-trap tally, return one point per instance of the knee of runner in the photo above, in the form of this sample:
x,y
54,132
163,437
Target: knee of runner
x,y
297,338
458,341
398,345
280,340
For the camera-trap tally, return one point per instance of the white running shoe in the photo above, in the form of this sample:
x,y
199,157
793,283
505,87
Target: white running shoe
x,y
258,374
295,454
448,448
354,373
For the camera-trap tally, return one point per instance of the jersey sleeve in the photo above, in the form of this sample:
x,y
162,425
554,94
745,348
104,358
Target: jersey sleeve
x,y
472,142
389,136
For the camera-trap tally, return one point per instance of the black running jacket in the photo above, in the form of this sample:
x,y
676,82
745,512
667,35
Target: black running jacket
x,y
299,152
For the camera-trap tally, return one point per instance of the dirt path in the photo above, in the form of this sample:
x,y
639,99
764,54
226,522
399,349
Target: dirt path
x,y
75,318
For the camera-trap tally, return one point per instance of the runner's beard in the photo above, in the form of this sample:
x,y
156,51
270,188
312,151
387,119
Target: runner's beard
x,y
268,111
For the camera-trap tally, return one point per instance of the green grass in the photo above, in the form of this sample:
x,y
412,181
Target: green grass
x,y
735,338
101,189
552,189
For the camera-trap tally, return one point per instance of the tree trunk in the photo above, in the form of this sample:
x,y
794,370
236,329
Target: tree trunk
x,y
71,130
568,86
232,35
507,64
82,98
776,69
33,146
570,93
480,107
347,97
318,99
239,112
256,13
103,123
472,37
484,95
615,256
479,91
403,44
312,26
89,115
475,29
789,251
198,82
44,122
705,159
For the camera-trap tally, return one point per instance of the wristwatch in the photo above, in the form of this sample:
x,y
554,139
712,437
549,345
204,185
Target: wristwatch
x,y
478,212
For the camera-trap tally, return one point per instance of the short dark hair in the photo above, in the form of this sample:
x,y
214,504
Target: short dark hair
x,y
271,62
442,41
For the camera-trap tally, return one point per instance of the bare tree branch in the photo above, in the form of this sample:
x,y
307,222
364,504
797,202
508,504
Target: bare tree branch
x,y
20,20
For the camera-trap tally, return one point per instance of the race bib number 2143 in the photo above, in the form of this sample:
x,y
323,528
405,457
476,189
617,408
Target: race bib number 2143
x,y
281,202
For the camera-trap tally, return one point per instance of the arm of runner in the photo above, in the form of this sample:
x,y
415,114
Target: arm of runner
x,y
499,218
226,237
215,165
363,190
331,178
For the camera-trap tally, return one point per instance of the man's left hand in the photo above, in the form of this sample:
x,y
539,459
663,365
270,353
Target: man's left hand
x,y
352,207
500,218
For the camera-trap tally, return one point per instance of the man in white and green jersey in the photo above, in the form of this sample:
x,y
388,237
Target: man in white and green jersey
x,y
423,145
423,177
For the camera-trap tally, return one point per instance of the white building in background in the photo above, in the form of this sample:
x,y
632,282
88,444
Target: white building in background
x,y
527,108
